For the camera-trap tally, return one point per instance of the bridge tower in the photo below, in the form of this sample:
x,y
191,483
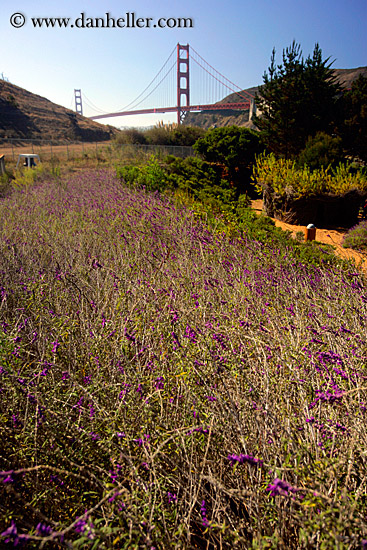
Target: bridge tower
x,y
78,101
183,81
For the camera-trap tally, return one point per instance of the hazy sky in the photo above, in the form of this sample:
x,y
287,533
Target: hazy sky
x,y
112,66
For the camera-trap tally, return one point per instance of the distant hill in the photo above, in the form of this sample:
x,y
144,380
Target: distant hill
x,y
209,119
24,115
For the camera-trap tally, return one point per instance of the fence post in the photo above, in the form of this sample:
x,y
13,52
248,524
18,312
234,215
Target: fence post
x,y
310,232
2,165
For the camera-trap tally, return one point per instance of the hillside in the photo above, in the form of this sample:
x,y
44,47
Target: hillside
x,y
25,115
209,119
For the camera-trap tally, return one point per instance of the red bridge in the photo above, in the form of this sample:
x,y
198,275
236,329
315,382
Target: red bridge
x,y
175,76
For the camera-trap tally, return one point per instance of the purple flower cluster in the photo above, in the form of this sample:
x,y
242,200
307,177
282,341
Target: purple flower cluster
x,y
280,487
242,458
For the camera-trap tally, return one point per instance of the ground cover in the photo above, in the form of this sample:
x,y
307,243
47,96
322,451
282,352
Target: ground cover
x,y
167,384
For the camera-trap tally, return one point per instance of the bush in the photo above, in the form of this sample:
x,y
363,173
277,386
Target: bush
x,y
173,135
357,237
283,177
323,197
151,175
131,136
195,177
321,151
235,149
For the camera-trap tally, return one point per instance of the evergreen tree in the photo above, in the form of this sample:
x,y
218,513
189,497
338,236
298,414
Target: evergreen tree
x,y
297,100
235,149
354,128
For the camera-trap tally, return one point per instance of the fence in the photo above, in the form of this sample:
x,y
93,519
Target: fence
x,y
2,165
108,150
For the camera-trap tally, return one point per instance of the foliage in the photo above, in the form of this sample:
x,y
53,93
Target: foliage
x,y
193,176
284,178
161,135
165,384
131,136
321,150
297,100
354,128
174,135
235,149
357,237
150,175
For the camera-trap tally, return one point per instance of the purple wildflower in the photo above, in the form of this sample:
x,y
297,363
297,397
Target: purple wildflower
x,y
159,383
172,497
203,514
55,344
11,534
240,459
43,529
280,487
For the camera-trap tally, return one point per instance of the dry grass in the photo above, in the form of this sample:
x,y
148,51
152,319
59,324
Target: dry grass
x,y
166,386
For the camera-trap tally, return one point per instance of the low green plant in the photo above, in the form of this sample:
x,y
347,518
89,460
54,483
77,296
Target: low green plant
x,y
4,184
26,177
150,175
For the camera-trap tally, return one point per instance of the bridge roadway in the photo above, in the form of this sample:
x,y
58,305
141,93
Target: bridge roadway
x,y
213,107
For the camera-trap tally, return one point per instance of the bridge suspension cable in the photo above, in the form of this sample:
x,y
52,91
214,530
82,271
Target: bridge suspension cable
x,y
91,105
132,103
230,84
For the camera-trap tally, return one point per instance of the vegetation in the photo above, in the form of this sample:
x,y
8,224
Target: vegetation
x,y
169,384
354,128
198,185
175,371
297,100
284,178
161,134
235,150
357,237
321,151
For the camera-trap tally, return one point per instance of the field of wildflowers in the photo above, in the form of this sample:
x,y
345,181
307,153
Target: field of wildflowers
x,y
165,385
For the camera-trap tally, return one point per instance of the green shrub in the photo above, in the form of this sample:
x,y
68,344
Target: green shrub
x,y
131,136
321,150
235,149
150,175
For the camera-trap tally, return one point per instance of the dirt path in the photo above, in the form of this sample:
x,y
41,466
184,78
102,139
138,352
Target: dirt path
x,y
328,236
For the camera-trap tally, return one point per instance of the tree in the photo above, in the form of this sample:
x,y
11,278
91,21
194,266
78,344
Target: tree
x,y
235,149
297,100
354,128
321,150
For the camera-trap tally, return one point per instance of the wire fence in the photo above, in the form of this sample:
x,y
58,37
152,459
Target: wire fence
x,y
103,150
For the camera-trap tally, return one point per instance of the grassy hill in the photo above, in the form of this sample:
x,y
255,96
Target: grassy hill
x,y
25,115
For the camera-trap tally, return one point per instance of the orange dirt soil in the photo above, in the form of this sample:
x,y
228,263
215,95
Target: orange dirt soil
x,y
333,237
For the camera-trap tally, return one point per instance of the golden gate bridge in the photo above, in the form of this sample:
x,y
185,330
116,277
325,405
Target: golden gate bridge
x,y
180,86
